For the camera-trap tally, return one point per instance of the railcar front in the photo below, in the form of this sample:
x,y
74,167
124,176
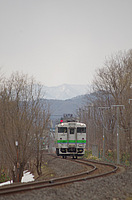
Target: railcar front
x,y
70,139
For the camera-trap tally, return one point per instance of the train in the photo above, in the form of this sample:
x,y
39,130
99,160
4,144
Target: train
x,y
70,137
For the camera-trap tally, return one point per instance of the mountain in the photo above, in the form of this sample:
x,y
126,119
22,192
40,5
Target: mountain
x,y
64,99
69,106
65,91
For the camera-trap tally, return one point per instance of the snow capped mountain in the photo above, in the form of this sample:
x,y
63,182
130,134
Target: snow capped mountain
x,y
65,91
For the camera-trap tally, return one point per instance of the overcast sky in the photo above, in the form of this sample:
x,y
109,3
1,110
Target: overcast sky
x,y
62,41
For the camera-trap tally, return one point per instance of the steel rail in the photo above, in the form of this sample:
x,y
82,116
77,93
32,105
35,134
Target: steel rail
x,y
22,187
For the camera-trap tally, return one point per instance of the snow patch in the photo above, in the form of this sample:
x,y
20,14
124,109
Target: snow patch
x,y
65,91
27,177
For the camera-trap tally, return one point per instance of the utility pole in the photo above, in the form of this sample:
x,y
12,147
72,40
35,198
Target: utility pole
x,y
86,120
130,134
118,137
88,134
17,174
103,108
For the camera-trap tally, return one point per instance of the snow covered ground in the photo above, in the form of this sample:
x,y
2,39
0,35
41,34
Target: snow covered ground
x,y
27,177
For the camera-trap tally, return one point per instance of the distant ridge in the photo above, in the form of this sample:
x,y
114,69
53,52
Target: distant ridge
x,y
60,107
65,91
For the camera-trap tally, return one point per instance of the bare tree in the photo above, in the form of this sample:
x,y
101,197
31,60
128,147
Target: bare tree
x,y
41,130
115,80
112,85
20,102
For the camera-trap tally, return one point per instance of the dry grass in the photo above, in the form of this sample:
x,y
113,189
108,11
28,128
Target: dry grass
x,y
47,173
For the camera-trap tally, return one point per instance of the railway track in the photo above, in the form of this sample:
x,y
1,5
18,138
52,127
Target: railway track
x,y
97,170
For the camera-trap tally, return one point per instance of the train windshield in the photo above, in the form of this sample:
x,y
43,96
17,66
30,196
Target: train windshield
x,y
62,129
81,130
71,130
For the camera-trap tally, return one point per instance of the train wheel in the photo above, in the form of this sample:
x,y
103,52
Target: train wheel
x,y
64,157
74,157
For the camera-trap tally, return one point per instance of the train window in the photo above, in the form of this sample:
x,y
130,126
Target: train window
x,y
62,129
81,130
71,130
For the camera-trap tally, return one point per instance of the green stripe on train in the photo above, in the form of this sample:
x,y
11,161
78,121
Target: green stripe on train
x,y
71,141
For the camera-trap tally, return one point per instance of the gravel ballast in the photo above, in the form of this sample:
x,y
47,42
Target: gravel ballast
x,y
114,187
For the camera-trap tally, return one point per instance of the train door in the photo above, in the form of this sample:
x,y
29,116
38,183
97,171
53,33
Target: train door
x,y
72,140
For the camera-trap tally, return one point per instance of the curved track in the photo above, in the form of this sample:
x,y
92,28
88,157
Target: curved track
x,y
97,170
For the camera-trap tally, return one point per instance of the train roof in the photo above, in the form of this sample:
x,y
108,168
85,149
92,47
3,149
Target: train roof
x,y
72,124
